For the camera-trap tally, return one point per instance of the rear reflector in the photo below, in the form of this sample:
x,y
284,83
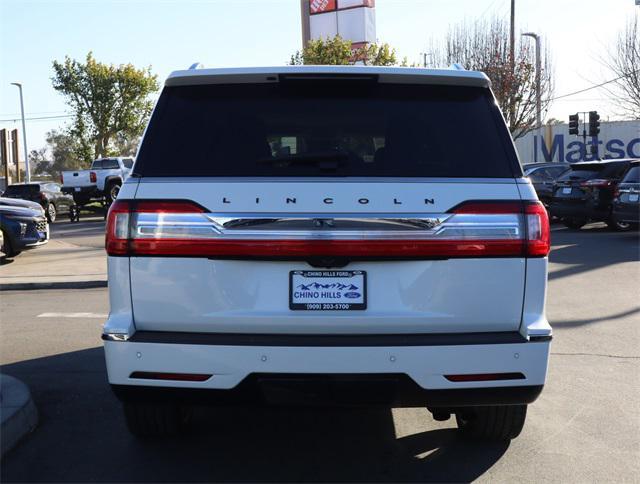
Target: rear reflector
x,y
185,229
485,377
150,375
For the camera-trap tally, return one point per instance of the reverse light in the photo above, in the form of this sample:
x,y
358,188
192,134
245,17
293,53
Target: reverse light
x,y
184,228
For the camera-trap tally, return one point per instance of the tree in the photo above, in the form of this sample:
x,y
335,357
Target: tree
x,y
484,46
338,51
65,150
624,63
107,100
39,162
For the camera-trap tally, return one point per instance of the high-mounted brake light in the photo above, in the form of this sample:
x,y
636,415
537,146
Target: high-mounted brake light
x,y
183,228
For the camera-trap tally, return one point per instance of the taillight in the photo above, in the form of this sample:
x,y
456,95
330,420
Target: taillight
x,y
61,179
92,177
472,229
596,183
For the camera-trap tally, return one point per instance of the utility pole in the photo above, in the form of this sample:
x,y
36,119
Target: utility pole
x,y
306,24
27,173
512,33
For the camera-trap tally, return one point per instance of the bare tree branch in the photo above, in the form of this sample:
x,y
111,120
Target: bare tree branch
x,y
623,60
484,46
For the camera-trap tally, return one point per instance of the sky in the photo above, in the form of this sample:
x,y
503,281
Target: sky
x,y
172,34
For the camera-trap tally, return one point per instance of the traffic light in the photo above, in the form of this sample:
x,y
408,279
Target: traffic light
x,y
594,123
574,120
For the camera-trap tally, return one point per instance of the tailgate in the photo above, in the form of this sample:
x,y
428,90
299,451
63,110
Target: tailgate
x,y
252,289
73,179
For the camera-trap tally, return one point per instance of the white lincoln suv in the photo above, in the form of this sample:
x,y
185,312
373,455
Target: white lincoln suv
x,y
340,235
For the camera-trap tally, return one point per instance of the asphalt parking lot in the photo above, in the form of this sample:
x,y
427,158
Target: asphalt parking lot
x,y
584,428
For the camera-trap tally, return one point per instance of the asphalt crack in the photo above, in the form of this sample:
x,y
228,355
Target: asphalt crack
x,y
597,354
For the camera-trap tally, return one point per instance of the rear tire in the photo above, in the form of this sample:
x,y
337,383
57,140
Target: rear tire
x,y
618,226
574,223
493,423
151,419
112,192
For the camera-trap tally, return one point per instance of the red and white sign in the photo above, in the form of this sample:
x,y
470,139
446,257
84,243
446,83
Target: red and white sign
x,y
356,3
352,20
321,6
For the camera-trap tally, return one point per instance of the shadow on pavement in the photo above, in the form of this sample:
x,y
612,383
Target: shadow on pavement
x,y
82,437
601,319
590,249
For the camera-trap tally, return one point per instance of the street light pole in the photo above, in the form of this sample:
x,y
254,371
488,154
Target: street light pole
x,y
27,175
536,37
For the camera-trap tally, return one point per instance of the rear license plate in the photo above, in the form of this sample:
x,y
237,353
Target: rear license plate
x,y
77,189
327,290
634,197
566,191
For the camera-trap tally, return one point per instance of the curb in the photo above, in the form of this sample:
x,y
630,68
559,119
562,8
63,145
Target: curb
x,y
19,413
29,286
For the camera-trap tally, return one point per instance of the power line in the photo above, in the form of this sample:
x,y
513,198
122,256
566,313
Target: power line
x,y
37,118
34,112
594,87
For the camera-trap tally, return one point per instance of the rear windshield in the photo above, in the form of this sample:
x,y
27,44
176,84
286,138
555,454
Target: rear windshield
x,y
22,190
633,175
105,164
310,128
586,171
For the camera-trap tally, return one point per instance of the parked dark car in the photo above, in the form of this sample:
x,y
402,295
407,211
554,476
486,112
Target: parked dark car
x,y
586,192
48,194
543,176
626,202
22,228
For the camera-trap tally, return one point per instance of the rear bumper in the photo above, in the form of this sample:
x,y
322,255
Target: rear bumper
x,y
401,375
578,209
395,390
86,192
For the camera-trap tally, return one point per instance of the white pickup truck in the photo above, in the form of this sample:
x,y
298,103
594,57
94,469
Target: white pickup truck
x,y
102,180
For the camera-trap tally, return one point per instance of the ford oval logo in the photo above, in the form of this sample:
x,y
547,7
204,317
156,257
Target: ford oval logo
x,y
352,295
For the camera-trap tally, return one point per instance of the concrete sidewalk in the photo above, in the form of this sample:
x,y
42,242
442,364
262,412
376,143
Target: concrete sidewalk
x,y
73,258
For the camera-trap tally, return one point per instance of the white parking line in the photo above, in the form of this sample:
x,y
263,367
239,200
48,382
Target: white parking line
x,y
73,315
